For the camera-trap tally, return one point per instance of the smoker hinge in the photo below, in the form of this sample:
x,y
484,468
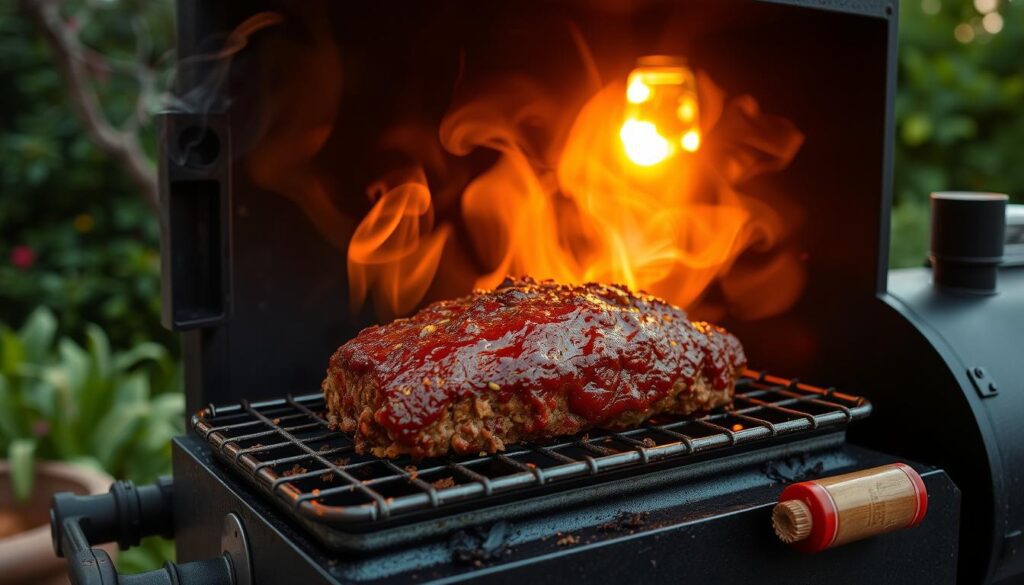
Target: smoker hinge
x,y
983,382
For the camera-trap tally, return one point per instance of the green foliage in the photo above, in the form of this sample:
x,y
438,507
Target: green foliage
x,y
76,235
112,410
959,110
77,238
149,555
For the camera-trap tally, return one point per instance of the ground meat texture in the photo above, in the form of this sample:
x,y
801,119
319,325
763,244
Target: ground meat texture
x,y
527,361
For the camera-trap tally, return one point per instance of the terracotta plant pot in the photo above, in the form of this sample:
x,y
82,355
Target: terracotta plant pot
x,y
26,551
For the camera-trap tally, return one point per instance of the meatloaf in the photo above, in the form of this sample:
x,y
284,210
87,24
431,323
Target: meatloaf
x,y
527,361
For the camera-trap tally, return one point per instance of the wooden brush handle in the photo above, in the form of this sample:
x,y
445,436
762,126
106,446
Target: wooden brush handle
x,y
820,514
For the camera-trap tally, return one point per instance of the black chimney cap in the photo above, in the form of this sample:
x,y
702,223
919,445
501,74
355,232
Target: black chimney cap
x,y
967,236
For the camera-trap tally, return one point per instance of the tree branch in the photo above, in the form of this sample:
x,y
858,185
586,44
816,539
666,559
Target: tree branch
x,y
72,57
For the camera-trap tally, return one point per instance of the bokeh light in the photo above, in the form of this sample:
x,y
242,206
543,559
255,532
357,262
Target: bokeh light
x,y
992,23
964,32
986,6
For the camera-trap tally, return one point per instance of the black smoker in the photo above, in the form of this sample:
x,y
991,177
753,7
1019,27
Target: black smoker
x,y
264,492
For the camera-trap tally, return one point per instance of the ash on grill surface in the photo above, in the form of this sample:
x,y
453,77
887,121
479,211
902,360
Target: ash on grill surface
x,y
793,469
625,522
479,545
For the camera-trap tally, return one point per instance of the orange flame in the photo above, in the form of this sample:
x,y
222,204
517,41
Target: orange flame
x,y
587,212
395,250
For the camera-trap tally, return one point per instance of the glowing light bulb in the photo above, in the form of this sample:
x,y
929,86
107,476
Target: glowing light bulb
x,y
662,113
690,141
643,144
637,92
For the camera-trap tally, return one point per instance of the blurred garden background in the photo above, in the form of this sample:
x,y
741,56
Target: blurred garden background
x,y
87,373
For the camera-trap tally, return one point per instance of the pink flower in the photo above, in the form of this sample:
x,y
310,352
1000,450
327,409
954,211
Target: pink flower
x,y
40,428
23,257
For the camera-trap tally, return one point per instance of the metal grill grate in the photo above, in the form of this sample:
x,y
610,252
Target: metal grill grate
x,y
286,448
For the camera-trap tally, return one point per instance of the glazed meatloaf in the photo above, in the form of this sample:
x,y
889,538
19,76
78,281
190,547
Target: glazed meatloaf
x,y
527,361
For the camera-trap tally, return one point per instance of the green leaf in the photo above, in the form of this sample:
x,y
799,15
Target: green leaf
x,y
21,454
39,395
170,405
117,431
133,389
157,434
99,349
74,365
64,430
87,461
141,352
37,334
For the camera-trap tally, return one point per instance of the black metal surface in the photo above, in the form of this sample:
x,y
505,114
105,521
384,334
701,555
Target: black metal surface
x,y
287,448
195,234
234,542
972,432
715,528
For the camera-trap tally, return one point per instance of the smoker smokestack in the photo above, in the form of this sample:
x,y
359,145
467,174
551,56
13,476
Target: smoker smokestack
x,y
967,236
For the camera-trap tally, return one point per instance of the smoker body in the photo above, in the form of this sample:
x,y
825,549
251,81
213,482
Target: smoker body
x,y
713,526
948,392
261,297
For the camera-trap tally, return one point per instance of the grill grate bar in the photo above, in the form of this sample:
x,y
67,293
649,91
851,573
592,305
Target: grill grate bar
x,y
415,480
730,435
306,411
291,459
528,468
314,470
767,424
810,418
482,480
549,453
378,499
684,440
251,423
844,409
590,446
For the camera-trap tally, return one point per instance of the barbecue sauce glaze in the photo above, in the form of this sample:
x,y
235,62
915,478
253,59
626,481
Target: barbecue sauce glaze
x,y
607,349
